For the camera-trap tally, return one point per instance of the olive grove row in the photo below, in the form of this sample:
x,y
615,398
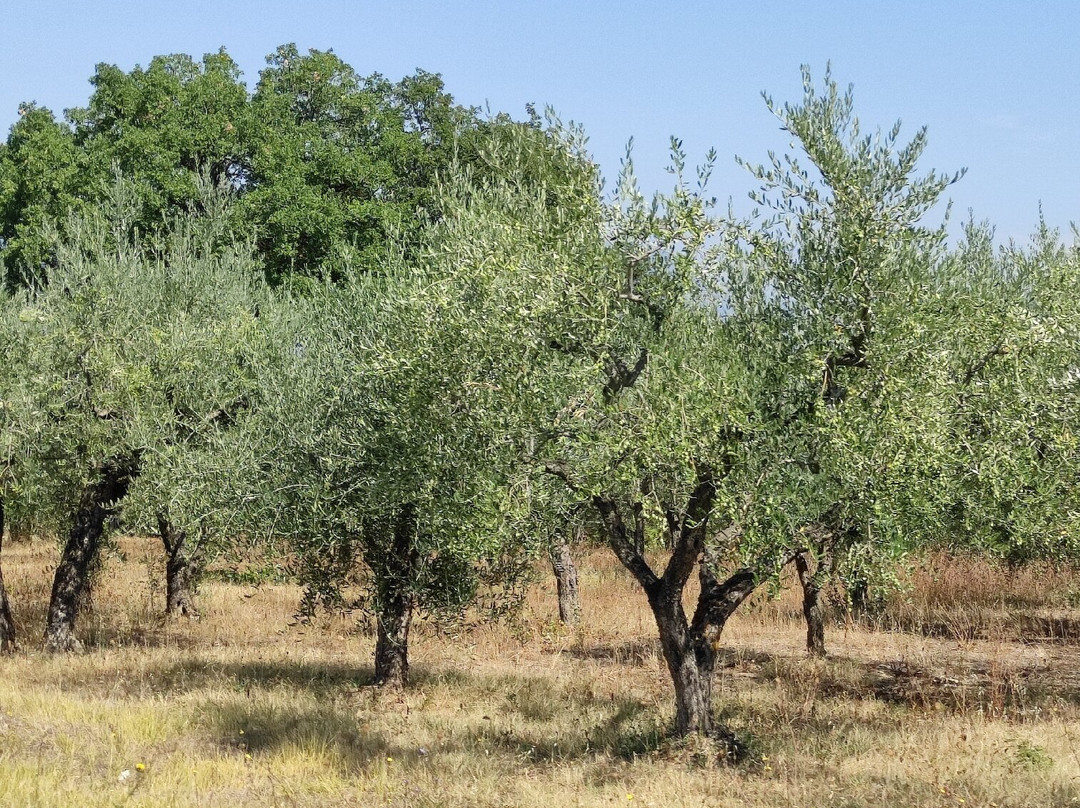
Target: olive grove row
x,y
827,383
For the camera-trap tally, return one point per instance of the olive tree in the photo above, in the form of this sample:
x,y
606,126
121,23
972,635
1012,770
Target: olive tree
x,y
725,389
839,302
130,354
1014,377
400,439
387,461
626,385
8,453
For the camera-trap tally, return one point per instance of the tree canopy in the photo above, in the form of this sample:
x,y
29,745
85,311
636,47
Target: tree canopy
x,y
485,345
327,165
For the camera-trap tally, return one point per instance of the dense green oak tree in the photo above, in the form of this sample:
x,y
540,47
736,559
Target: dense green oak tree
x,y
325,163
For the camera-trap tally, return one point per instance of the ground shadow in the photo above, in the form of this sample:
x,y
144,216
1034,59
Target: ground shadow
x,y
985,687
1016,626
319,679
252,728
517,727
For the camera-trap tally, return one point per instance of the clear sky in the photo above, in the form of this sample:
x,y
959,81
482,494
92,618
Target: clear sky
x,y
996,82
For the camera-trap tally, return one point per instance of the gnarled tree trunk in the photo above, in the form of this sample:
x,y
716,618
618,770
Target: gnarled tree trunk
x,y
392,644
566,581
183,565
688,646
72,579
7,625
812,581
394,572
690,662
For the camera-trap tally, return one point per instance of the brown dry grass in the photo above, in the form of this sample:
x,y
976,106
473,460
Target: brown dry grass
x,y
247,707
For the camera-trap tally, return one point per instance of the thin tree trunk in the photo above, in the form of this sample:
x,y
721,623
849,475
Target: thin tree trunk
x,y
566,581
7,625
815,620
394,571
72,579
858,596
392,644
183,565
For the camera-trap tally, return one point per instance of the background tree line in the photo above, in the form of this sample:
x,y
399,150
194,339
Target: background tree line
x,y
324,164
487,351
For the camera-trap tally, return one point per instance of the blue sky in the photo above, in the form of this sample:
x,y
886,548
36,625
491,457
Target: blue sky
x,y
997,83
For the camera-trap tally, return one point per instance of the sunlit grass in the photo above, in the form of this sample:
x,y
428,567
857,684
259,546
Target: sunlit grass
x,y
249,707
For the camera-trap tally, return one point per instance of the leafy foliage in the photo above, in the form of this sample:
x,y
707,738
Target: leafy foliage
x,y
128,353
1013,423
484,345
326,165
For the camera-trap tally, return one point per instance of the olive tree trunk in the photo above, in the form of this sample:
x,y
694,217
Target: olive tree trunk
x,y
7,625
813,577
392,644
688,646
566,581
183,566
71,583
394,570
690,661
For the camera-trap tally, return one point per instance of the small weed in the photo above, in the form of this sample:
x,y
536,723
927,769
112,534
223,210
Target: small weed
x,y
249,576
1032,755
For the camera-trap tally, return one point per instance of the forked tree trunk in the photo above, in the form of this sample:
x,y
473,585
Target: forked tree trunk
x,y
688,647
566,581
7,625
690,661
394,572
183,565
72,579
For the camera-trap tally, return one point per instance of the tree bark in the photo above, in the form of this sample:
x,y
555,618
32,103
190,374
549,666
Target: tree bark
x,y
566,581
7,625
183,565
690,661
392,644
71,582
394,571
688,647
812,581
719,600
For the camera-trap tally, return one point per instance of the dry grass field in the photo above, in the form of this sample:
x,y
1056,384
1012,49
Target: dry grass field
x,y
967,694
